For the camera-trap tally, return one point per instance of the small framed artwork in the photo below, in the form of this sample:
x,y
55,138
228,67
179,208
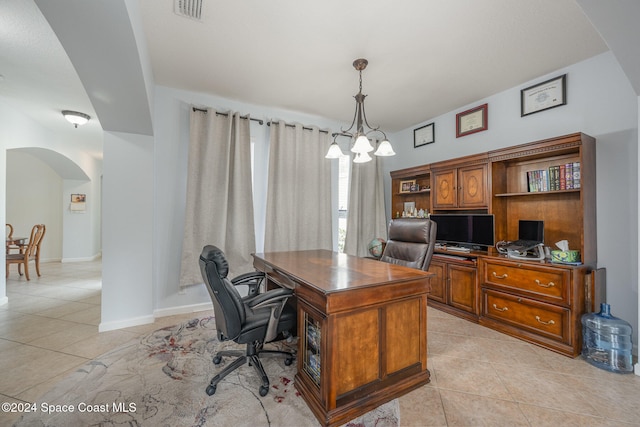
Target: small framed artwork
x,y
542,96
472,121
405,186
409,206
424,135
78,202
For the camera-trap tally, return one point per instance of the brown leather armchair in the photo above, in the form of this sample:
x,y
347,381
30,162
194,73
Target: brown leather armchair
x,y
411,242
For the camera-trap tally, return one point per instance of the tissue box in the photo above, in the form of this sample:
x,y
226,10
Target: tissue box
x,y
565,256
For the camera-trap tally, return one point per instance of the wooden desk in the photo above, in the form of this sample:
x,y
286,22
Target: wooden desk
x,y
362,328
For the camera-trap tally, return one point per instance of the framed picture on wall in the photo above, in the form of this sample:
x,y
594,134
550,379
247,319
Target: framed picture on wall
x,y
472,121
424,135
78,202
542,96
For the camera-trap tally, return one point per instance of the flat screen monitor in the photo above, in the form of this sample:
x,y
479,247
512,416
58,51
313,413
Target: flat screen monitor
x,y
531,230
472,231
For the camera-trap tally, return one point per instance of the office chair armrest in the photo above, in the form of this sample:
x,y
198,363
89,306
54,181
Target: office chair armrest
x,y
252,280
274,299
277,296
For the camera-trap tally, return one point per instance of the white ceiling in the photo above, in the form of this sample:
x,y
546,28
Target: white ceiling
x,y
426,57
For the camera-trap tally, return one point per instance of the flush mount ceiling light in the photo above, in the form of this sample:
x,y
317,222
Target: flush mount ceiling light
x,y
76,118
360,138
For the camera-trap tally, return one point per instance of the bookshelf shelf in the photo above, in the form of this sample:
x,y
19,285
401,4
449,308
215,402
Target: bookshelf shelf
x,y
428,190
537,193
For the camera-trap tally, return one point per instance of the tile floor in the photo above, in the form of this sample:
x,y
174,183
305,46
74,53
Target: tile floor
x,y
478,377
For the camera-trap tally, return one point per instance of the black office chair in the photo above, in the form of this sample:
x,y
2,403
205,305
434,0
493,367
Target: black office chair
x,y
411,242
253,320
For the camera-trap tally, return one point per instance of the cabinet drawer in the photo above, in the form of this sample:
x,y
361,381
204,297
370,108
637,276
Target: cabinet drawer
x,y
540,282
537,317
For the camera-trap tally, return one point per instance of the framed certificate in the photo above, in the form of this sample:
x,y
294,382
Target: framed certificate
x,y
424,135
472,121
549,94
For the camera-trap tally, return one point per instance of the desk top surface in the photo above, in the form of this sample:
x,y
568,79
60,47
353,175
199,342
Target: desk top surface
x,y
332,271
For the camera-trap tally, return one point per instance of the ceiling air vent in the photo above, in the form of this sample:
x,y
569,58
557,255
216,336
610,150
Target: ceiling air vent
x,y
189,9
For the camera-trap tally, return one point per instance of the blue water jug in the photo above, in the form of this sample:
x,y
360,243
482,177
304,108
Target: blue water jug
x,y
606,341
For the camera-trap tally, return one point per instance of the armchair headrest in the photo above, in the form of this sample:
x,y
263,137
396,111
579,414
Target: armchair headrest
x,y
213,254
410,230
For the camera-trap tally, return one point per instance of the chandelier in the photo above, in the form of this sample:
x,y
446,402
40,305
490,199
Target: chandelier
x,y
360,138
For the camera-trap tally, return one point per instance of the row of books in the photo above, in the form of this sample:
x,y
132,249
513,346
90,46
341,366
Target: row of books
x,y
559,177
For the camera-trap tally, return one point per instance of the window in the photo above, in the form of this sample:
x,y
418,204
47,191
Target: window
x,y
344,165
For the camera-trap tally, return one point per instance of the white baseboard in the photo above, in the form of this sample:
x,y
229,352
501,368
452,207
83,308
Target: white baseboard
x,y
136,321
184,309
4,300
144,320
83,259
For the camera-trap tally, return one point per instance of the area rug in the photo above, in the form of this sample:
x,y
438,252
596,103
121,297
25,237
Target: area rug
x,y
160,380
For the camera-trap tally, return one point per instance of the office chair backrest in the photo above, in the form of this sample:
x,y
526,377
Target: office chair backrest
x,y
227,302
411,242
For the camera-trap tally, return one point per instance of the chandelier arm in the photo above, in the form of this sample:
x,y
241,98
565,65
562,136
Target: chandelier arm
x,y
353,122
364,115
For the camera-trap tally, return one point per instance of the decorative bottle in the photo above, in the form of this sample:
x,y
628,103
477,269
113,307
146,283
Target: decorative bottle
x,y
606,341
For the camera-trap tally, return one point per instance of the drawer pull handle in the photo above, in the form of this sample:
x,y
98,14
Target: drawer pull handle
x,y
502,309
502,276
550,285
550,322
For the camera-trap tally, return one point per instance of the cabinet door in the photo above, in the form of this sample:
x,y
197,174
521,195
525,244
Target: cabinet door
x,y
462,288
438,281
446,195
473,186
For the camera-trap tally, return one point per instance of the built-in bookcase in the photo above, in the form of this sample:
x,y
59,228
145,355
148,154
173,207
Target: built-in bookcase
x,y
568,214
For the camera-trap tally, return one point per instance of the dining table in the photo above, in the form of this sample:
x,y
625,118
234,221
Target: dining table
x,y
16,243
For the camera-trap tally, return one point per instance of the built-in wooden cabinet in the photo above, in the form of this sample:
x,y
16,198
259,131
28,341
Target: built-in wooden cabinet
x,y
412,185
537,301
463,187
568,213
454,287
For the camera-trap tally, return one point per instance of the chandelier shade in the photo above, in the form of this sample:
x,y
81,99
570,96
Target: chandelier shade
x,y
334,151
361,144
385,149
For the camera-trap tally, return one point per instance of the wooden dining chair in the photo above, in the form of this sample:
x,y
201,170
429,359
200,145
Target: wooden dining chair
x,y
30,252
9,236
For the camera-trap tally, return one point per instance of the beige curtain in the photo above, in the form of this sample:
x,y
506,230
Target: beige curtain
x,y
299,189
219,205
366,216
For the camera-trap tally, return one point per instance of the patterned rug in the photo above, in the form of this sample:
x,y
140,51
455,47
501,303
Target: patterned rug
x,y
160,380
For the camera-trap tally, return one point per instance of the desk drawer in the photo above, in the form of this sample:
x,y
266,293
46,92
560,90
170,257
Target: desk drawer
x,y
538,281
526,314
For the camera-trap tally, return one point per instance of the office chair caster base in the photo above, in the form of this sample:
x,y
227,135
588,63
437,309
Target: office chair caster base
x,y
217,360
288,361
211,390
263,390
